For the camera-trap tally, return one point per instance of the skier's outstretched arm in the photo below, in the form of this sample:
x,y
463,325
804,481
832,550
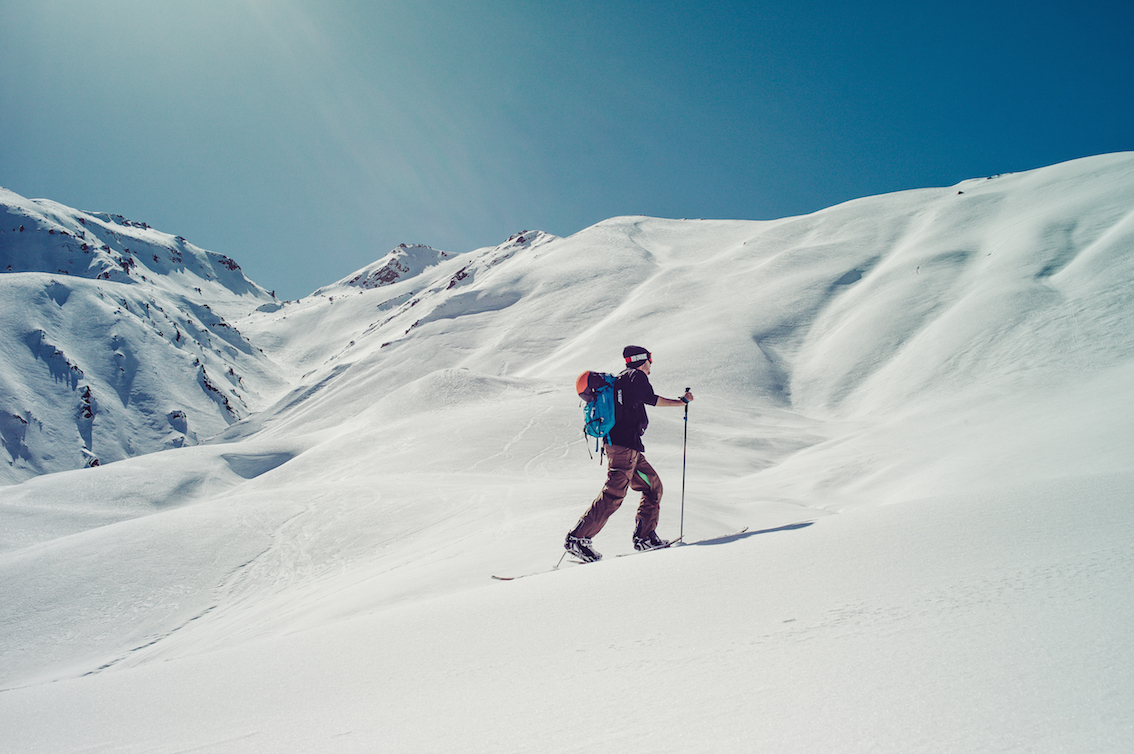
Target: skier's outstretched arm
x,y
678,402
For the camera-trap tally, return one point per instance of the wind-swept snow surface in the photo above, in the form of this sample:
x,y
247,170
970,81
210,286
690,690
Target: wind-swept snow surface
x,y
921,405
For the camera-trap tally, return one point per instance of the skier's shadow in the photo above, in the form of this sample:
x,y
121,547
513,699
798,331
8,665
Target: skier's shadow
x,y
746,534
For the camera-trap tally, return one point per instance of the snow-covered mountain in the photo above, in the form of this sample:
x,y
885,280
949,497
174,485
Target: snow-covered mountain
x,y
402,263
920,405
118,340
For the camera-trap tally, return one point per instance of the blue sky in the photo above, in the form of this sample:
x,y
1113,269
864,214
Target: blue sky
x,y
306,138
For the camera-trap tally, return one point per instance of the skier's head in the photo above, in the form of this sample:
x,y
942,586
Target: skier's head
x,y
636,357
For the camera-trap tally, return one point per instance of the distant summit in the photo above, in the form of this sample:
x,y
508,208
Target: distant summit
x,y
411,260
406,261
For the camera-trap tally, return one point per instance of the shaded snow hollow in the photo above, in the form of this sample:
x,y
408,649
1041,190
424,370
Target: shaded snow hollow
x,y
919,404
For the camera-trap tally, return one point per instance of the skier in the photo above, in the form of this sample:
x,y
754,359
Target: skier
x,y
626,463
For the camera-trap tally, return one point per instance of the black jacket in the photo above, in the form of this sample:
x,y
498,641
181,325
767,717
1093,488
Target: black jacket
x,y
632,393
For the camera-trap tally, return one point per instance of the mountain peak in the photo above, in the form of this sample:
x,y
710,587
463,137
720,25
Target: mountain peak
x,y
410,260
39,235
405,261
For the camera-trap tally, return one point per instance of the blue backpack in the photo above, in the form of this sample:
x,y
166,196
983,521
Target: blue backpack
x,y
597,391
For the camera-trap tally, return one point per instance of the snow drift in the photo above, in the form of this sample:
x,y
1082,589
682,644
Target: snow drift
x,y
920,404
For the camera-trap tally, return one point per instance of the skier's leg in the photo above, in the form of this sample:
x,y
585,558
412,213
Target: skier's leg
x,y
620,466
646,480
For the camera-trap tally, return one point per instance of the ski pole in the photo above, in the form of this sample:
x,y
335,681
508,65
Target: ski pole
x,y
684,447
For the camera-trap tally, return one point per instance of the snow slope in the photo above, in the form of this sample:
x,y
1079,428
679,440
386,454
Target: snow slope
x,y
920,404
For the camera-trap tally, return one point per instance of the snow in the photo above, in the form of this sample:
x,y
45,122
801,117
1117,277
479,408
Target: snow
x,y
920,404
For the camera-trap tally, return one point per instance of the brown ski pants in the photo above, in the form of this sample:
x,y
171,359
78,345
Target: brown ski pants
x,y
626,468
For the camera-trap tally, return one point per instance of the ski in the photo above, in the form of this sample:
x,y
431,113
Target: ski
x,y
572,561
536,573
533,573
639,552
674,543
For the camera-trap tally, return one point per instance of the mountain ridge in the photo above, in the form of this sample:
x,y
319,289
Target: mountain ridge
x,y
264,357
119,339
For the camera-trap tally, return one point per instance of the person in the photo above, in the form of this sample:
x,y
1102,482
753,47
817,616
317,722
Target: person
x,y
627,466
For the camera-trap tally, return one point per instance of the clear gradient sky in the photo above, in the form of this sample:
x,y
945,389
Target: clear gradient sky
x,y
306,138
